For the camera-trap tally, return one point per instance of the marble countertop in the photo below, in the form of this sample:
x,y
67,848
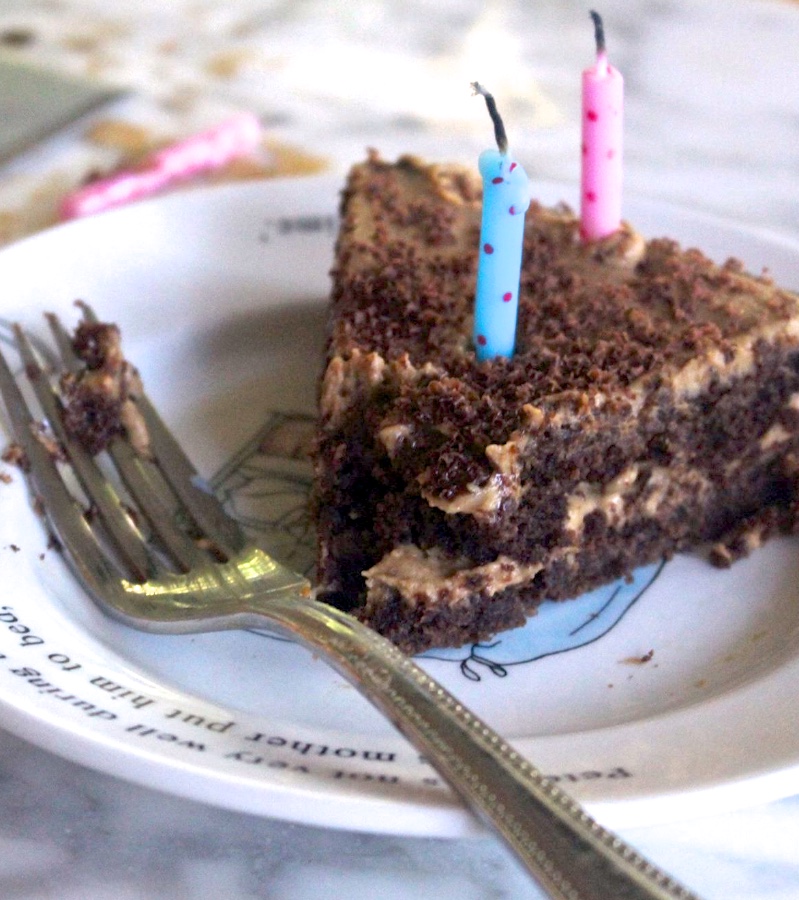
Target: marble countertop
x,y
711,122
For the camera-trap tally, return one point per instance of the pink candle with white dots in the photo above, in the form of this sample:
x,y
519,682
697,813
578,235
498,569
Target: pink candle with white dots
x,y
603,103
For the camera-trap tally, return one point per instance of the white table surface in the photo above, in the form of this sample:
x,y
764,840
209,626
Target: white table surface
x,y
712,121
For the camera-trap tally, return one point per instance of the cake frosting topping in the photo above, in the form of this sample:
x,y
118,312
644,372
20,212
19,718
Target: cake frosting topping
x,y
609,499
419,574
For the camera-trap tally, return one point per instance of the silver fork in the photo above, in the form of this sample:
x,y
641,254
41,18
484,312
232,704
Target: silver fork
x,y
179,587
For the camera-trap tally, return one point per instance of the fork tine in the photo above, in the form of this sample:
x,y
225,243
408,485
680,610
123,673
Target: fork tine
x,y
123,534
63,343
140,477
182,477
63,511
187,484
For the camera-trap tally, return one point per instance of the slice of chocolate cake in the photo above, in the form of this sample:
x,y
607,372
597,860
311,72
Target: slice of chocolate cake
x,y
652,405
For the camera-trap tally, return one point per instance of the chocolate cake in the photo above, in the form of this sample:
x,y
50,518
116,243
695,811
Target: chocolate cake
x,y
98,398
651,406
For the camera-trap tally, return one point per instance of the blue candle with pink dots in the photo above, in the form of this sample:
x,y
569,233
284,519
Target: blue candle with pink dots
x,y
506,198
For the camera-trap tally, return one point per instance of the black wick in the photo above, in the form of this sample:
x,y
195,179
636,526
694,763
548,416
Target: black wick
x,y
499,128
599,31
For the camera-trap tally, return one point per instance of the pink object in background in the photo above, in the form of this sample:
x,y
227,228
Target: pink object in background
x,y
202,152
211,149
603,103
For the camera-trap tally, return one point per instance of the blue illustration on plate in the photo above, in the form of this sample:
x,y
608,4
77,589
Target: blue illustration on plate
x,y
557,628
266,487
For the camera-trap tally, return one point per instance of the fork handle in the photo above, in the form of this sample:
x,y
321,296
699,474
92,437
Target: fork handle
x,y
570,855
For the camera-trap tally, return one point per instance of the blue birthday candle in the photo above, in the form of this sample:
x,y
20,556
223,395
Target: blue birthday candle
x,y
506,198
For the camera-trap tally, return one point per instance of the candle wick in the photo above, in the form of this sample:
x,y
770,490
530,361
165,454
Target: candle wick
x,y
499,127
599,33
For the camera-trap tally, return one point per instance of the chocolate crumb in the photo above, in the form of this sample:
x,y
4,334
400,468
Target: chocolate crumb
x,y
14,455
638,660
48,440
99,401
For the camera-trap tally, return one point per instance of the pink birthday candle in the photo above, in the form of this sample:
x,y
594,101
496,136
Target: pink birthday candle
x,y
211,149
603,102
203,152
106,193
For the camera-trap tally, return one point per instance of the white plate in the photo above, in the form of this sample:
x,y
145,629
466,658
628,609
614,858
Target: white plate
x,y
220,294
